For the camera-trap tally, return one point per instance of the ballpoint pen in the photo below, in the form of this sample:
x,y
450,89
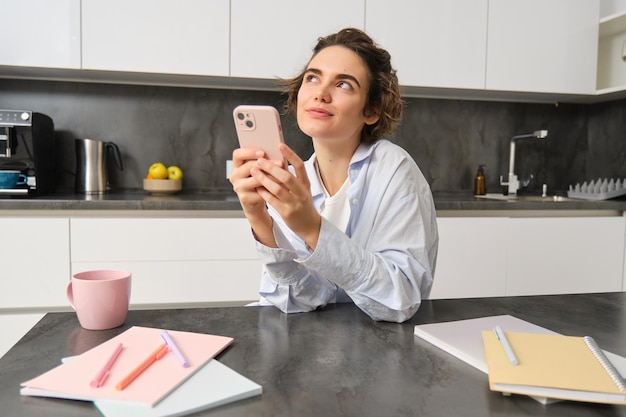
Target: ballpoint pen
x,y
102,375
170,343
154,356
505,345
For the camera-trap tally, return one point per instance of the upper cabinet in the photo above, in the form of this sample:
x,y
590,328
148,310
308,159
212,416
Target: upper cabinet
x,y
433,43
40,33
530,50
543,46
612,47
156,36
275,38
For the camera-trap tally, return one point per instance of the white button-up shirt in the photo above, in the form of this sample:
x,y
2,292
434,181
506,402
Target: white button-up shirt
x,y
385,259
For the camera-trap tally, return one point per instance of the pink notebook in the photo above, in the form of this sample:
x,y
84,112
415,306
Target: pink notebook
x,y
71,380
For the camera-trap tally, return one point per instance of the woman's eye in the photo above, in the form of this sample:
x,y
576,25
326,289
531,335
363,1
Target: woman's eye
x,y
344,85
311,78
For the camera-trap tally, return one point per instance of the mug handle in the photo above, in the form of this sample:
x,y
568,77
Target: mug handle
x,y
23,180
70,295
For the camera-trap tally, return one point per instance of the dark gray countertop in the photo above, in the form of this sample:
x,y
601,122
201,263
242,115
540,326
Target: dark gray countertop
x,y
225,199
335,361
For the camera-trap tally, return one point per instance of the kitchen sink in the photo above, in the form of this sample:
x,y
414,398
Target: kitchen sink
x,y
522,198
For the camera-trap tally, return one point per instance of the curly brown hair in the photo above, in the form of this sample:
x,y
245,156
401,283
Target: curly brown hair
x,y
383,96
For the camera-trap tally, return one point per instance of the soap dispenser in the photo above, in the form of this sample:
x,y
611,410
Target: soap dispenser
x,y
480,188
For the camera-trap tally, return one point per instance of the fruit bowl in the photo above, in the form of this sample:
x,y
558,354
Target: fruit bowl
x,y
162,186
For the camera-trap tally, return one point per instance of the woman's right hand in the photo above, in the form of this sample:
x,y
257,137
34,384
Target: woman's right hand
x,y
245,185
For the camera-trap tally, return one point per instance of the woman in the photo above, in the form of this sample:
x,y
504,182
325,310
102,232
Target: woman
x,y
356,222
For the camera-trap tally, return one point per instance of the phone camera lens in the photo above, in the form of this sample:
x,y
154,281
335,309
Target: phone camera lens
x,y
249,124
241,116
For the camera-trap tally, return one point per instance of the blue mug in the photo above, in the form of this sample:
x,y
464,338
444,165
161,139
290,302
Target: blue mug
x,y
9,179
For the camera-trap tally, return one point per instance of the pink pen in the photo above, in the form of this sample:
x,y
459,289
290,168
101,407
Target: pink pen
x,y
102,375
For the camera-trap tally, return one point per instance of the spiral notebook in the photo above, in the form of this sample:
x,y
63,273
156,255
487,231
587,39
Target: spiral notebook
x,y
553,366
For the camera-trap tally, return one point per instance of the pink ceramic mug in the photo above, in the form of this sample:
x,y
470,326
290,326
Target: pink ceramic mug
x,y
100,298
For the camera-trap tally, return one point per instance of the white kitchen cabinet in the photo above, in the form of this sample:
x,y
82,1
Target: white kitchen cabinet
x,y
472,257
40,33
543,46
565,255
34,262
156,36
612,52
511,256
275,38
487,49
173,260
433,43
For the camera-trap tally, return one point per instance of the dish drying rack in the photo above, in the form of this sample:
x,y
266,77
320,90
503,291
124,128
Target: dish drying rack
x,y
602,189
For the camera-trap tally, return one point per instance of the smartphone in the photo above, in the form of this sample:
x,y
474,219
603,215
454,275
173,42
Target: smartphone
x,y
259,127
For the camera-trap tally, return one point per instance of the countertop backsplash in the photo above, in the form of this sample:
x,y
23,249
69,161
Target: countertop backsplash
x,y
193,128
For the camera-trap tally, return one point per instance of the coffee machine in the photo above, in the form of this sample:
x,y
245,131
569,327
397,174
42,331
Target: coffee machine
x,y
27,145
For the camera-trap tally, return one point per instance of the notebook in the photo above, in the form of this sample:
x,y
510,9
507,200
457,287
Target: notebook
x,y
463,339
71,380
553,366
213,385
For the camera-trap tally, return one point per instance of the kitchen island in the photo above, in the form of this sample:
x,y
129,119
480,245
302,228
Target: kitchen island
x,y
335,361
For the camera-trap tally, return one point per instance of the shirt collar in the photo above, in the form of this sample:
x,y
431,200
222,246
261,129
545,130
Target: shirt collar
x,y
361,154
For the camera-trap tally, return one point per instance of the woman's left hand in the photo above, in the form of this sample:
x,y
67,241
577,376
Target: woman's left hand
x,y
289,194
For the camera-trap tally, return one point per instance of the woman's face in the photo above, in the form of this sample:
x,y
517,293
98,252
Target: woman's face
x,y
332,96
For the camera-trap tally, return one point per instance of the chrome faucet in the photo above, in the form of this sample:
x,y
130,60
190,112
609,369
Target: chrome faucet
x,y
513,182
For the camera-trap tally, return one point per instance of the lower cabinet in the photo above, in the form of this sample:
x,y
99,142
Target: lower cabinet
x,y
472,257
34,262
482,257
202,261
565,255
173,260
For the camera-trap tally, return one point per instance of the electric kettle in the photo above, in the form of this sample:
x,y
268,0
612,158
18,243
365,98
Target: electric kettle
x,y
92,164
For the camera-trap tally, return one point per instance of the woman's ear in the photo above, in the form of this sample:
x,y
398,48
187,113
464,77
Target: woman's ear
x,y
371,116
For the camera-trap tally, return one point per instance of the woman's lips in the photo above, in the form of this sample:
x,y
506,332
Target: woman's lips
x,y
318,112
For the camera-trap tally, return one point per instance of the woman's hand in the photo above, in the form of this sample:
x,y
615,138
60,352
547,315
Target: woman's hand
x,y
243,183
246,187
289,194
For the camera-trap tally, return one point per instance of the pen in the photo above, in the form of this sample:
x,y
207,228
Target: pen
x,y
154,356
102,375
170,342
505,344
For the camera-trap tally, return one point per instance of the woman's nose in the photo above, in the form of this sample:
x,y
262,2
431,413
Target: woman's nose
x,y
323,94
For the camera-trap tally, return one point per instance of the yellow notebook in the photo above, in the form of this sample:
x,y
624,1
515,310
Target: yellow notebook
x,y
553,366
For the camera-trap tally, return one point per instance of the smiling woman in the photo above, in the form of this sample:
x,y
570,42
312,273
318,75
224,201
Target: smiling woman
x,y
356,221
331,103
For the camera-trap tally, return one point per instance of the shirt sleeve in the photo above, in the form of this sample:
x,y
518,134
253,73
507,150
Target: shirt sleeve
x,y
287,283
388,277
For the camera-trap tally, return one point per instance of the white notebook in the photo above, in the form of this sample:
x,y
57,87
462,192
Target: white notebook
x,y
464,339
213,385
